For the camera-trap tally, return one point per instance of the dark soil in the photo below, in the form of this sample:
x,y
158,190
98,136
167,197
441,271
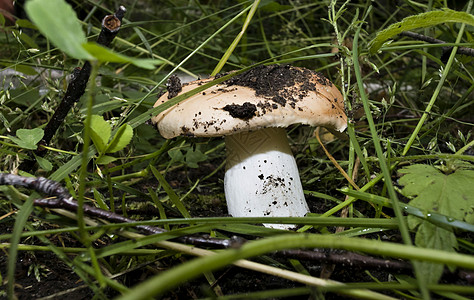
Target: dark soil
x,y
245,111
173,86
55,275
282,84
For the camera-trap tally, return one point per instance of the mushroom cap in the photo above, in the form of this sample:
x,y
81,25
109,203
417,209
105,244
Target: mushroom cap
x,y
265,96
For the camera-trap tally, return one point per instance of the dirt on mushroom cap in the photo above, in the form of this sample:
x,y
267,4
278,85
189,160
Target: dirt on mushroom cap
x,y
278,95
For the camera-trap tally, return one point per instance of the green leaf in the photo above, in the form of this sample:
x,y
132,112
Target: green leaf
x,y
450,195
121,139
100,133
44,163
20,222
193,157
419,21
28,138
176,155
431,236
26,39
58,22
24,23
105,160
27,70
106,55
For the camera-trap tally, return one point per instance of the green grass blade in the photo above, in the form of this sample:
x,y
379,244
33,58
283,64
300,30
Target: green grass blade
x,y
403,226
433,98
172,278
231,48
20,222
173,197
433,217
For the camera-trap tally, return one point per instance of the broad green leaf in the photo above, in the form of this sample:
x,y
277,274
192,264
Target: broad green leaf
x,y
193,157
24,23
58,22
26,39
44,163
28,138
450,195
106,55
121,139
27,70
105,160
100,133
431,236
176,155
419,21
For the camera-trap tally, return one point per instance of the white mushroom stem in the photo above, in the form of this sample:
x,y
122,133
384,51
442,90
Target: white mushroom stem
x,y
262,178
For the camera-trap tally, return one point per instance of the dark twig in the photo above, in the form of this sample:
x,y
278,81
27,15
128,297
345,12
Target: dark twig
x,y
446,50
59,197
345,259
77,86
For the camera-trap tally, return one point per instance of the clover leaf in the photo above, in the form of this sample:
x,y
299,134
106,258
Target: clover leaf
x,y
28,138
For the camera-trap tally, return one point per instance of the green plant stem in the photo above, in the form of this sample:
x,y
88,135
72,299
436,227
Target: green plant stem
x,y
401,286
383,164
173,277
436,156
430,216
432,101
20,222
84,157
463,149
84,236
236,41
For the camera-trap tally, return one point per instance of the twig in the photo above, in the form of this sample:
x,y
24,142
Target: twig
x,y
334,161
345,259
59,197
421,37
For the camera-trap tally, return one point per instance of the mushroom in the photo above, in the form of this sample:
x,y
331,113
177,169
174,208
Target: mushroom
x,y
252,110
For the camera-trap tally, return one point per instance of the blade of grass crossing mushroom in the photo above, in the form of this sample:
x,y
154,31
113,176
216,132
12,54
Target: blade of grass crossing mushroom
x,y
76,161
403,227
147,115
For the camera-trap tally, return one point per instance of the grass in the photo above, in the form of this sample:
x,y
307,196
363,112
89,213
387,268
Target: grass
x,y
409,103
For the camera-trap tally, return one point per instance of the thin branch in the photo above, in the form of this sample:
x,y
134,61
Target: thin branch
x,y
59,197
421,37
